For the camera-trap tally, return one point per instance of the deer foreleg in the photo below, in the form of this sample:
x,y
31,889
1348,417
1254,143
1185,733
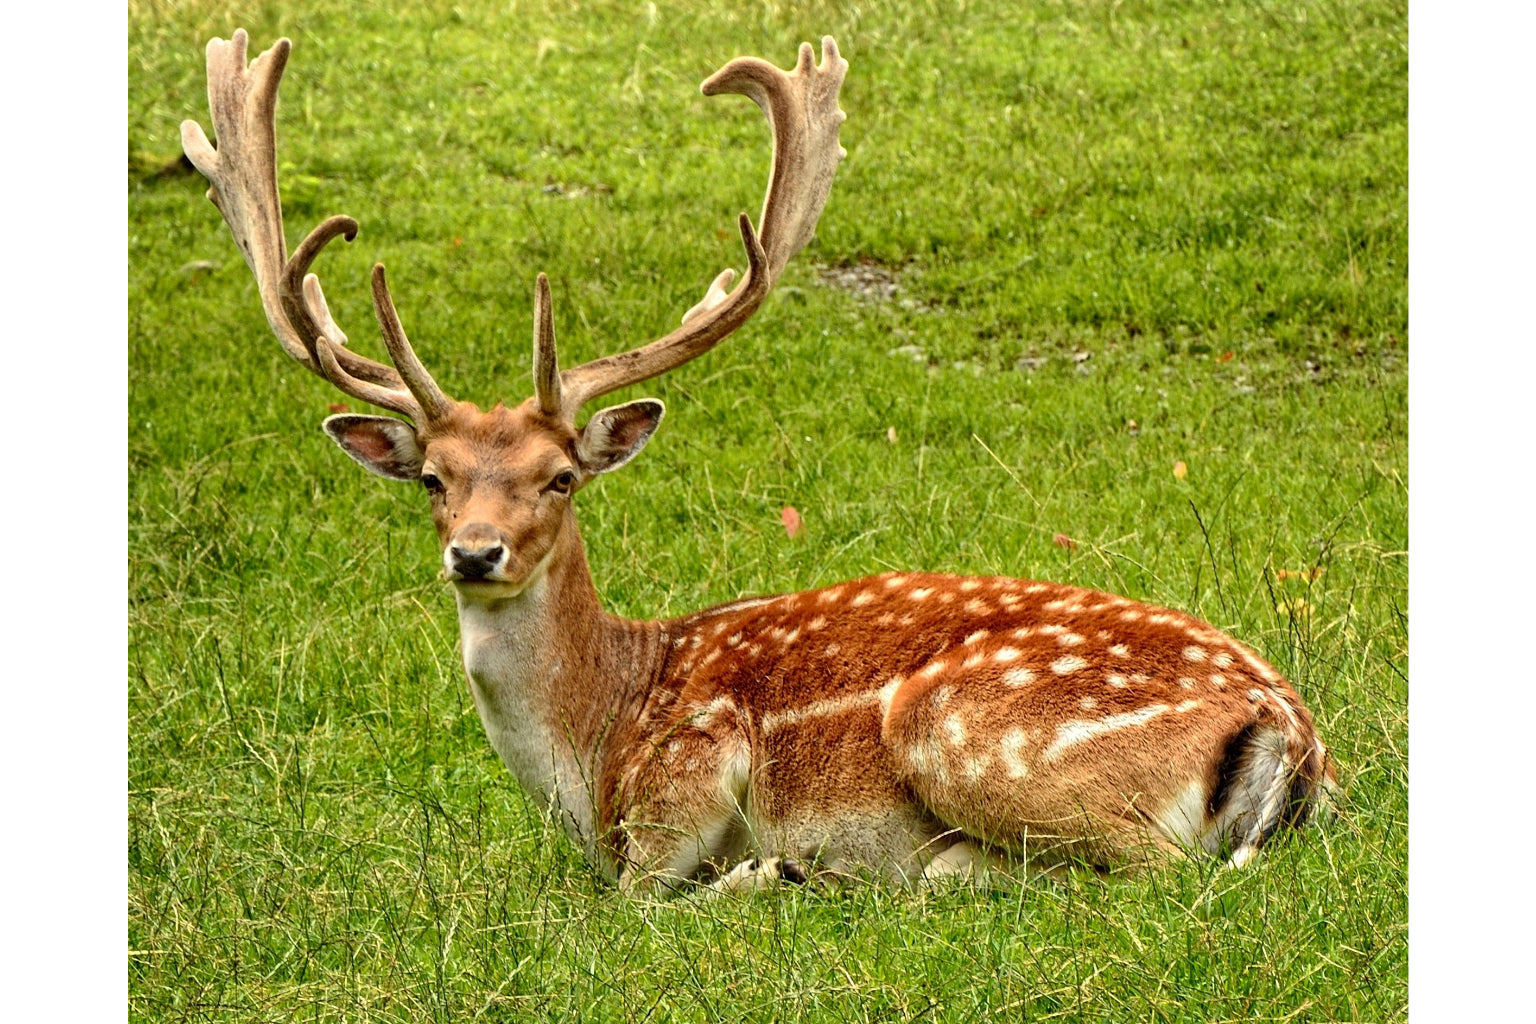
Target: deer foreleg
x,y
684,817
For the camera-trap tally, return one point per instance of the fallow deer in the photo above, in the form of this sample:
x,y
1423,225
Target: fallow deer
x,y
905,725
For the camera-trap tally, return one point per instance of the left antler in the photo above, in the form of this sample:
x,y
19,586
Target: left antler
x,y
802,111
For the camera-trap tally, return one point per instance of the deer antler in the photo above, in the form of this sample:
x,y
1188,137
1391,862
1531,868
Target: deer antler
x,y
802,111
242,173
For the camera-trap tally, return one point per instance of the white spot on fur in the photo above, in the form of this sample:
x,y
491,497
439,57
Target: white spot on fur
x,y
1284,707
861,599
1018,677
1187,705
969,585
1194,654
1162,618
1186,682
1118,682
711,656
1004,655
1022,632
1069,639
980,634
973,660
743,605
942,694
1056,605
955,730
831,596
1067,664
886,618
1088,703
680,641
733,639
919,593
1052,630
819,622
892,582
831,706
1222,660
933,668
1037,588
945,597
1011,747
1120,651
976,606
1070,734
1130,616
832,649
1218,680
976,768
1255,695
704,715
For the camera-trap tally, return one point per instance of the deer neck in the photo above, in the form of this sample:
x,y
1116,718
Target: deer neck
x,y
553,676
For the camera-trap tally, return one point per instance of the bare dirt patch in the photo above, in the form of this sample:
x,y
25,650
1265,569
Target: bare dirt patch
x,y
872,282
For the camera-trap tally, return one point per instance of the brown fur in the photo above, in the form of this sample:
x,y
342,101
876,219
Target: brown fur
x,y
874,723
891,724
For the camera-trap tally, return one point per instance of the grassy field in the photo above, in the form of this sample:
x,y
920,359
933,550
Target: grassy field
x,y
1073,245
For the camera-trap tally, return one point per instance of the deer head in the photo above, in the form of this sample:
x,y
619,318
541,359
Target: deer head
x,y
501,481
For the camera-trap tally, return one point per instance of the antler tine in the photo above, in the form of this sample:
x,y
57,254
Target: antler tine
x,y
546,363
434,404
306,308
395,399
360,367
801,107
242,174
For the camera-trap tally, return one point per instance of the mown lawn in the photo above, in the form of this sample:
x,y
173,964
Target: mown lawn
x,y
1073,245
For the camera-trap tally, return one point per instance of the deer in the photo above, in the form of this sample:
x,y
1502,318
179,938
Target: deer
x,y
908,726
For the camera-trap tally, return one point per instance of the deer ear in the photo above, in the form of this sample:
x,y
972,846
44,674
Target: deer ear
x,y
382,445
616,434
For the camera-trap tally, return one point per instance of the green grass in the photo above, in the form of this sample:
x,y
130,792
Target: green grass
x,y
319,829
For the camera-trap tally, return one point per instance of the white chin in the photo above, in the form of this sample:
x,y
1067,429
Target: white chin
x,y
489,590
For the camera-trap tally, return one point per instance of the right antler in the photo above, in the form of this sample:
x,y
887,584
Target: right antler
x,y
802,111
242,173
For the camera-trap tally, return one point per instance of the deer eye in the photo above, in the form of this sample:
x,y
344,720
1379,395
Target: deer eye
x,y
563,482
431,482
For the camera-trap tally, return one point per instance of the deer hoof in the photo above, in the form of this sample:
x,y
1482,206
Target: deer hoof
x,y
763,873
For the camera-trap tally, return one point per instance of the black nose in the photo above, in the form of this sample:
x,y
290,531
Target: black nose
x,y
476,565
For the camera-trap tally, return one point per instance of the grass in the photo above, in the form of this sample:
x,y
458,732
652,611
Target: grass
x,y
1209,200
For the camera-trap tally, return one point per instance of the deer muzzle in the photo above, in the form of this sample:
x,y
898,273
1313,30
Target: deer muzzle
x,y
476,554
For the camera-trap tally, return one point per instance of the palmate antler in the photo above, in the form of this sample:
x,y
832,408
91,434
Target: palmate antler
x,y
802,111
